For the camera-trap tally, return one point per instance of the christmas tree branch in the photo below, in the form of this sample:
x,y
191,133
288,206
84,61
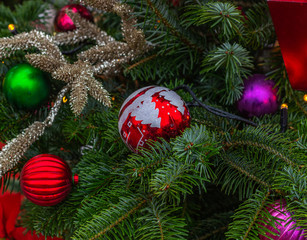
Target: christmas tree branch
x,y
141,62
251,176
262,146
256,215
172,28
119,220
246,225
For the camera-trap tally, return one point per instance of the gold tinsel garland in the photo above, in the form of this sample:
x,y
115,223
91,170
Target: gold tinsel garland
x,y
103,58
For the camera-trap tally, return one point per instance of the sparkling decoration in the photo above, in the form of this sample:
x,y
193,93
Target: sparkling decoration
x,y
290,19
25,86
259,97
46,180
279,210
305,97
64,23
106,58
149,113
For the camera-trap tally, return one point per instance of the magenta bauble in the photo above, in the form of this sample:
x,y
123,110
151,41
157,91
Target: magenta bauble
x,y
259,97
46,180
63,22
150,113
279,210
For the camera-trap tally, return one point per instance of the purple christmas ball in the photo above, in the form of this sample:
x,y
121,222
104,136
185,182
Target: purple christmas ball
x,y
279,210
259,97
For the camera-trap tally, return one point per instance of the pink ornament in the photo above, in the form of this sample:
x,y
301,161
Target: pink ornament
x,y
150,113
259,97
279,210
63,22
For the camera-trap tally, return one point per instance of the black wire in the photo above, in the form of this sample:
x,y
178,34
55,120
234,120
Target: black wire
x,y
283,120
218,112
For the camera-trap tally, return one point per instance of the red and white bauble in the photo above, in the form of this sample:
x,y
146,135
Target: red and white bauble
x,y
150,113
46,180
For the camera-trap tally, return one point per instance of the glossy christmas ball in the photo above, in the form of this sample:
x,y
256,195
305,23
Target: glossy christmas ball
x,y
279,210
289,18
25,86
46,180
63,22
150,113
259,97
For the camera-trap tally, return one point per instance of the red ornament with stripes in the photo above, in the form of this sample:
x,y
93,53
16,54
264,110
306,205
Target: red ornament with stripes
x,y
150,113
46,180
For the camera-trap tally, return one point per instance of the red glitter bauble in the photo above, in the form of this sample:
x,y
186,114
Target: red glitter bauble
x,y
46,180
150,113
63,22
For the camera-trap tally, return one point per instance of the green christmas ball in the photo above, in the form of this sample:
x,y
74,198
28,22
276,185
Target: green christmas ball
x,y
25,86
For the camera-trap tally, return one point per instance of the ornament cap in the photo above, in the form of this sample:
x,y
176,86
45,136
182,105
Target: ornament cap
x,y
75,179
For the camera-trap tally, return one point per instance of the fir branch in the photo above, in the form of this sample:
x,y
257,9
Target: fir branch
x,y
247,218
153,5
174,180
240,175
141,62
299,105
256,215
294,182
195,143
235,63
149,159
273,145
247,174
262,146
259,29
158,221
221,16
119,220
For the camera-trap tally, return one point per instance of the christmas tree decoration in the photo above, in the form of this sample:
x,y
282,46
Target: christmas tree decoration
x,y
46,180
285,226
289,18
12,29
283,117
25,86
149,113
259,97
175,2
106,57
63,23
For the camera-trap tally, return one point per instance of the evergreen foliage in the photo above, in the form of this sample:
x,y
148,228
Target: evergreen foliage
x,y
216,179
